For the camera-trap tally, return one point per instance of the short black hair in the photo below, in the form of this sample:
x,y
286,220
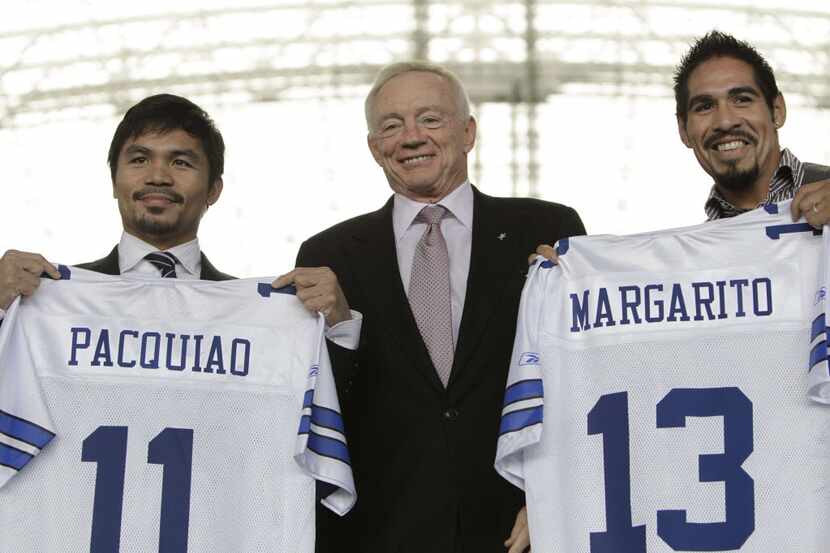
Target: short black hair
x,y
715,44
168,112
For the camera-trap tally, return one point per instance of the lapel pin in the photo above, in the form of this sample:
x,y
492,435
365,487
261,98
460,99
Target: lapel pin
x,y
502,236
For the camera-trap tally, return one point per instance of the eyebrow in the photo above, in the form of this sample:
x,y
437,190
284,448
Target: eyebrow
x,y
186,152
736,91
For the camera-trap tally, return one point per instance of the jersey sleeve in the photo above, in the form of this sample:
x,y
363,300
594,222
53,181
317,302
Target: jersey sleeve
x,y
818,381
522,412
25,425
321,440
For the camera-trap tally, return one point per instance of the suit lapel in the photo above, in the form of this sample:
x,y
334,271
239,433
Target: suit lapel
x,y
490,267
377,270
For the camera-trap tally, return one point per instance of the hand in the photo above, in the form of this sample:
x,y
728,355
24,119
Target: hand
x,y
546,251
519,540
813,202
20,275
318,289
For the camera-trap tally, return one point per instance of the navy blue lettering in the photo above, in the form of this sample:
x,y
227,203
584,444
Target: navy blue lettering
x,y
738,284
701,302
630,304
77,343
240,343
603,310
658,304
721,284
677,304
580,312
215,360
151,363
197,353
121,348
102,350
169,348
767,296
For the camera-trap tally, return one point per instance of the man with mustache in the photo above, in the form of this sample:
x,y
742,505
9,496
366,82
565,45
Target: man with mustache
x,y
729,110
166,161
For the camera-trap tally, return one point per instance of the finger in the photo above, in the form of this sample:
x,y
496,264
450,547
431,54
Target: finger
x,y
806,203
284,280
547,251
519,545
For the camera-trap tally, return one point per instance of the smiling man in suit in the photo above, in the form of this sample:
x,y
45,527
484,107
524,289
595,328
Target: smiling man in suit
x,y
166,162
437,273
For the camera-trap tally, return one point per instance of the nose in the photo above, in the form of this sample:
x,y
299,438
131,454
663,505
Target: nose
x,y
726,117
158,174
413,135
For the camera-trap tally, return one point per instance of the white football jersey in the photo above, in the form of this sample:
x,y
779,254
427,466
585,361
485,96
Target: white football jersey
x,y
657,396
163,415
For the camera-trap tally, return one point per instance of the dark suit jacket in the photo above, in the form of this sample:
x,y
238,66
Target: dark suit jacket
x,y
109,266
422,455
814,172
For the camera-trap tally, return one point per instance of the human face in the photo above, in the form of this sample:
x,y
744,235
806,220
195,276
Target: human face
x,y
418,137
731,129
161,184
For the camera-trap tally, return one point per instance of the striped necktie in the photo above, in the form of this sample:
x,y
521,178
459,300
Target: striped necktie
x,y
163,261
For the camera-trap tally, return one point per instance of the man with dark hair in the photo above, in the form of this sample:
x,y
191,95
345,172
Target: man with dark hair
x,y
729,110
166,162
437,273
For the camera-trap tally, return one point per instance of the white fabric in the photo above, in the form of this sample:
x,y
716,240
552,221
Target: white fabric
x,y
622,423
262,414
457,228
131,252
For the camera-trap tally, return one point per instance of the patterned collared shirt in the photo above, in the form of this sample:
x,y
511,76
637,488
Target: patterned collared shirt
x,y
786,180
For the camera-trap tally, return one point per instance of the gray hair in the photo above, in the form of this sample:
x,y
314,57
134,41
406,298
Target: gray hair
x,y
392,70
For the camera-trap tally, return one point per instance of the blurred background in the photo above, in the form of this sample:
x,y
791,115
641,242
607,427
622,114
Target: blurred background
x,y
573,100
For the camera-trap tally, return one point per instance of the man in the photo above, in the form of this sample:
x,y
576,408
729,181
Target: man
x,y
439,290
729,110
166,161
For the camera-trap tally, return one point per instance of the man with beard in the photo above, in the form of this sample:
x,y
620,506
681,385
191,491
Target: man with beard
x,y
729,110
166,161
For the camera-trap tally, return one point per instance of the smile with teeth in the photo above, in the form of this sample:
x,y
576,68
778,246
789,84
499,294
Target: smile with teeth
x,y
416,159
729,146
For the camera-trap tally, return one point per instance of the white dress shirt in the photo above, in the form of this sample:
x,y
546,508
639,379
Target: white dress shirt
x,y
457,228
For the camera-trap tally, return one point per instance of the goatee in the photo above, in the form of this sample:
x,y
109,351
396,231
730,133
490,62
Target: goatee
x,y
737,181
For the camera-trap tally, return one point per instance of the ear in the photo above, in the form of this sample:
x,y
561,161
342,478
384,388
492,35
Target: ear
x,y
779,111
469,134
374,148
214,192
681,130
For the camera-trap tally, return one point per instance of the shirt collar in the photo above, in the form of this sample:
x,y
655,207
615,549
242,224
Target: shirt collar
x,y
131,251
786,180
459,204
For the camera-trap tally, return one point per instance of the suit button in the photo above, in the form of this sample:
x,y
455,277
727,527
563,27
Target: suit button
x,y
451,413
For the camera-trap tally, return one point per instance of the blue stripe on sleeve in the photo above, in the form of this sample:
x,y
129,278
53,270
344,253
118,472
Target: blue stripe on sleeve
x,y
818,327
818,354
327,418
522,418
13,458
305,424
524,389
328,447
308,398
24,430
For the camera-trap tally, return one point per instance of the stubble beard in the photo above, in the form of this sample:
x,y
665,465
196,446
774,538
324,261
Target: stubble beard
x,y
152,226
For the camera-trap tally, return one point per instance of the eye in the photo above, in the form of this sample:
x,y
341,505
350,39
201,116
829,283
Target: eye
x,y
390,126
702,105
179,162
743,99
431,121
137,160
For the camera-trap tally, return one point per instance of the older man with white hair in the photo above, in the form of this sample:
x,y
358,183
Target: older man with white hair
x,y
437,273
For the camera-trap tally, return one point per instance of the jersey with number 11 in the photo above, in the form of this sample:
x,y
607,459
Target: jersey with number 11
x,y
164,415
657,398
